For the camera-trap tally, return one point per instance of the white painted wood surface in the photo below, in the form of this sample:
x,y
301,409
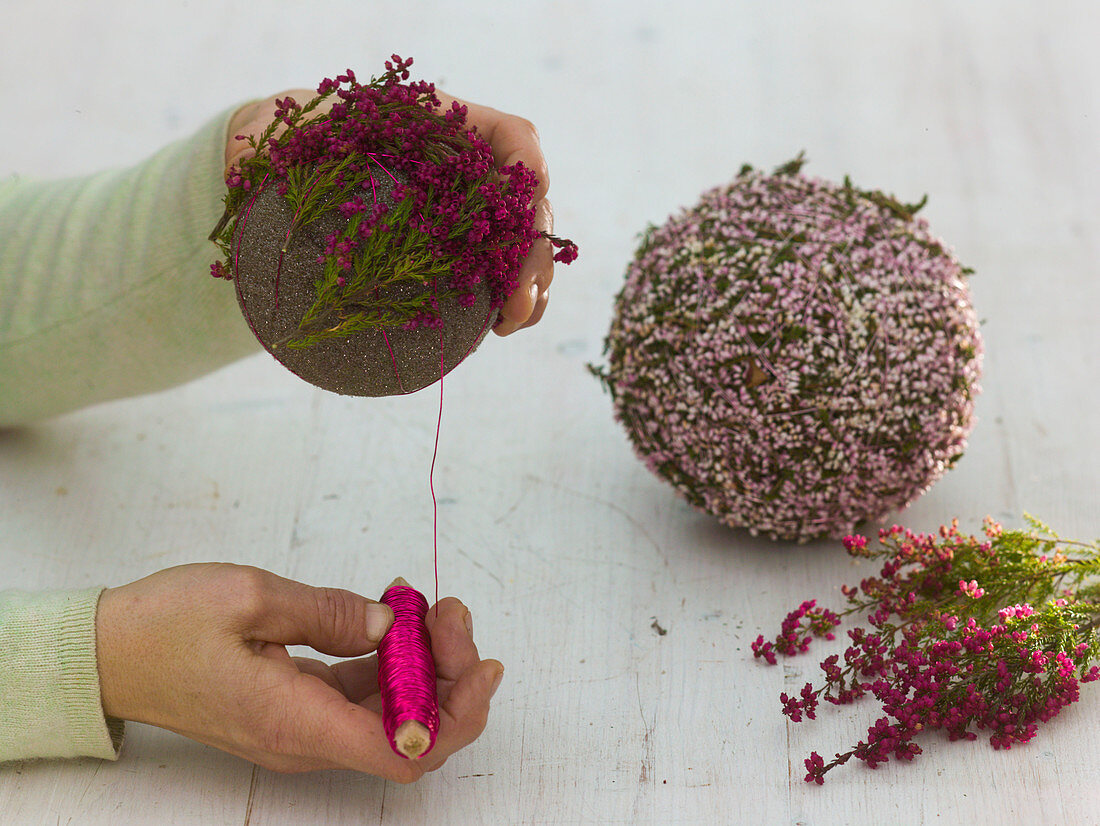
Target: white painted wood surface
x,y
566,549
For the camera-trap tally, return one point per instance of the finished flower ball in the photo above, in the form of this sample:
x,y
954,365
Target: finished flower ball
x,y
795,356
372,241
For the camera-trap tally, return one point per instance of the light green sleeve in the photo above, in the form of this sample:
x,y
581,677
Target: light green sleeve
x,y
105,286
49,682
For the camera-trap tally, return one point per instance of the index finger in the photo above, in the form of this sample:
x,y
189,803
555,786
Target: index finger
x,y
511,137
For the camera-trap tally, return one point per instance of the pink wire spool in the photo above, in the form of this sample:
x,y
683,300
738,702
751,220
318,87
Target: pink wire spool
x,y
406,675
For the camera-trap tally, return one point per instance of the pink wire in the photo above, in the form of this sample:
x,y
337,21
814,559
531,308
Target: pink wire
x,y
406,670
431,476
393,360
237,263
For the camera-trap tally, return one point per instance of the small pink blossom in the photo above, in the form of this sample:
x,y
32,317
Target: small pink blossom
x,y
971,589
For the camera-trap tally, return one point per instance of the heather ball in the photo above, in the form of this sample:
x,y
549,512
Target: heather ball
x,y
370,236
795,356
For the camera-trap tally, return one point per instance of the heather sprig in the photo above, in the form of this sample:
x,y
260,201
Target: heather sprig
x,y
966,634
426,216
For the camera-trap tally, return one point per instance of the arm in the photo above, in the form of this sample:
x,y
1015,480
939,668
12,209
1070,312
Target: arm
x,y
105,282
49,684
105,279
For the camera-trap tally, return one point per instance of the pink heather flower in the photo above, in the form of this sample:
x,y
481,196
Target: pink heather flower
x,y
1016,612
855,543
760,648
934,658
388,145
971,589
815,768
568,252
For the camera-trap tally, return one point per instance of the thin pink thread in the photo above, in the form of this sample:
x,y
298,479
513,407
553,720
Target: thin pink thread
x,y
406,670
435,450
237,261
373,188
393,360
382,167
431,475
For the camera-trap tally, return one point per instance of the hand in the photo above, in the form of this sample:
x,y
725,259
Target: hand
x,y
200,650
515,139
512,139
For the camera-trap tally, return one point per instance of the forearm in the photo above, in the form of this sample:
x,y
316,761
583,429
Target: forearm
x,y
104,282
49,682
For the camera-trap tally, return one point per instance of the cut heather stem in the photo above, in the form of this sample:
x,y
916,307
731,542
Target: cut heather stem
x,y
966,634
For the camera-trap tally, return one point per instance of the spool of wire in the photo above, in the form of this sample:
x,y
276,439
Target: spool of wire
x,y
406,674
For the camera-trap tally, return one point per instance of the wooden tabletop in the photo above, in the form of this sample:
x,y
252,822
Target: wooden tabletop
x,y
623,617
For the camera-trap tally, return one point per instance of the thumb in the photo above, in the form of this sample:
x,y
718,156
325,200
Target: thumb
x,y
240,125
330,620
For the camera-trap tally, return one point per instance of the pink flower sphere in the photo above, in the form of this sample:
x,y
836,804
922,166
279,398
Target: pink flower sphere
x,y
795,356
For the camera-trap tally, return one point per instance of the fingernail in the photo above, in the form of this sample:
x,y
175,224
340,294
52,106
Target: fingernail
x,y
469,621
379,620
496,682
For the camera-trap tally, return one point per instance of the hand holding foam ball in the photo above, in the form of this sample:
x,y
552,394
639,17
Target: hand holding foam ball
x,y
369,229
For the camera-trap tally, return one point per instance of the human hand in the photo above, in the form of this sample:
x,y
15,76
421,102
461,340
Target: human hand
x,y
513,139
201,650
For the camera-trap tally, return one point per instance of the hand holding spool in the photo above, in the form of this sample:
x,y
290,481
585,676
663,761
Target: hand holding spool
x,y
158,637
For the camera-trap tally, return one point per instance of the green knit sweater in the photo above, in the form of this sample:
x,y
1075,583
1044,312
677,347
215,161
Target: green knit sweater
x,y
104,293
